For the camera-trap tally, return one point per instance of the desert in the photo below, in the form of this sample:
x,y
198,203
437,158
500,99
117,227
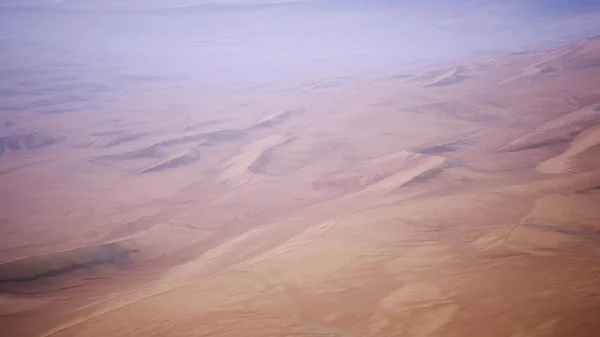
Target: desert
x,y
168,194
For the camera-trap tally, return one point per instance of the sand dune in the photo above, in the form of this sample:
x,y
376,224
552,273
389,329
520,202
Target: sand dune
x,y
167,149
173,152
205,138
442,148
278,119
445,77
581,55
264,162
567,161
176,160
382,174
145,152
543,67
418,168
532,71
297,153
562,224
120,139
556,131
578,56
27,141
237,169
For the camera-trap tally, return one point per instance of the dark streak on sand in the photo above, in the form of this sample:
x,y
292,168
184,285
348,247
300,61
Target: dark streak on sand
x,y
51,265
28,141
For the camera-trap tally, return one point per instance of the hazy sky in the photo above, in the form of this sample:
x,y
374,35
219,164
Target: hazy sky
x,y
206,40
530,7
